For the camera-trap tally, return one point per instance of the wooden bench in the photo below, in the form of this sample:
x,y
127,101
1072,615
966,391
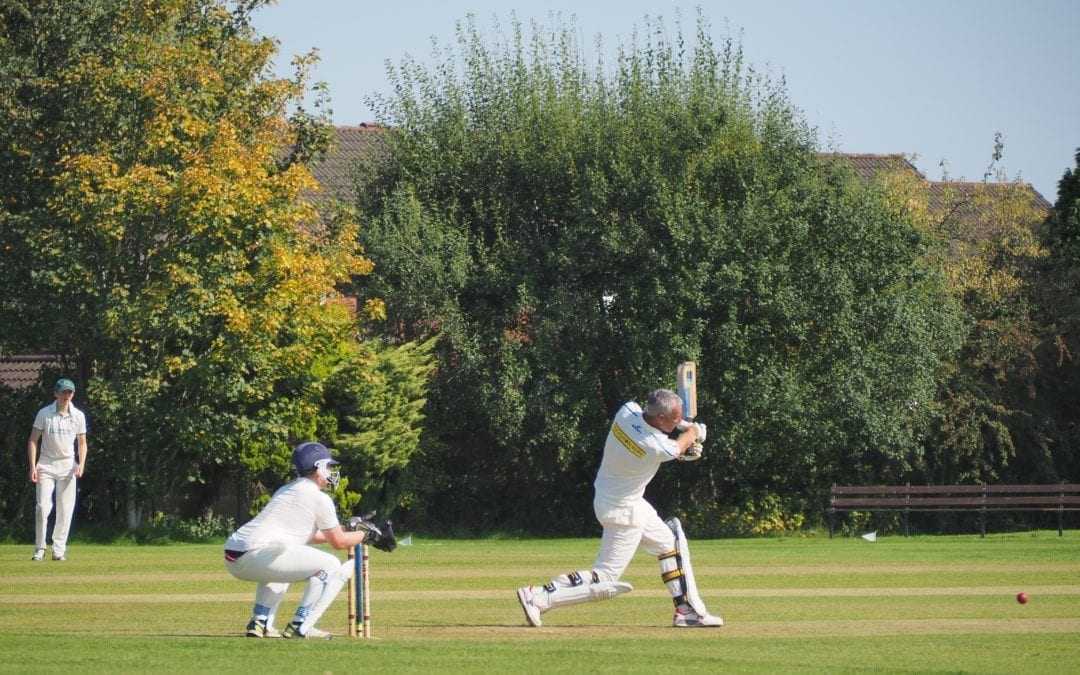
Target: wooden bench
x,y
907,498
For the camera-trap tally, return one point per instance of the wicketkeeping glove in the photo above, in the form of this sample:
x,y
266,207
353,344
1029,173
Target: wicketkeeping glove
x,y
385,539
357,523
380,536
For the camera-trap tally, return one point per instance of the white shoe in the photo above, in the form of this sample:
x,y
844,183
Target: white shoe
x,y
292,631
60,557
38,555
532,612
692,619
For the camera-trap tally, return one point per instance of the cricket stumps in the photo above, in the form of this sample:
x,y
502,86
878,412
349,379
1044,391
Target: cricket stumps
x,y
359,593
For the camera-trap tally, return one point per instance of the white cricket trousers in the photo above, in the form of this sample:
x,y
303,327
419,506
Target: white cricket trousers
x,y
58,479
627,526
274,567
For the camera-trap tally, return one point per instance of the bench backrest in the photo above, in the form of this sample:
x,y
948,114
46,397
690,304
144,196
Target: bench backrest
x,y
942,490
934,497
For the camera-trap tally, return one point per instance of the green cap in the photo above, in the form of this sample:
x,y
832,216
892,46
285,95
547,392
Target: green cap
x,y
64,384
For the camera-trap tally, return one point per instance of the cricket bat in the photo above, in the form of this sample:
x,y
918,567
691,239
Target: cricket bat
x,y
686,388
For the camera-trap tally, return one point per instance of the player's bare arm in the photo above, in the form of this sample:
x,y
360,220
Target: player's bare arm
x,y
80,468
687,438
338,538
31,452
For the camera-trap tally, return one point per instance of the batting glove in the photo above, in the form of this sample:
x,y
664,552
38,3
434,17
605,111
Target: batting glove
x,y
692,454
700,432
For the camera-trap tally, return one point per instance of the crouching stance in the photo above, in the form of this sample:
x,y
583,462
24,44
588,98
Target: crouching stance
x,y
274,548
637,444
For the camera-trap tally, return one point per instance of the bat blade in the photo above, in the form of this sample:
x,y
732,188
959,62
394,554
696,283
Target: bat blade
x,y
686,388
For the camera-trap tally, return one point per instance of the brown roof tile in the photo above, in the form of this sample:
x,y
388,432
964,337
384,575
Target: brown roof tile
x,y
24,370
869,165
350,149
962,201
942,193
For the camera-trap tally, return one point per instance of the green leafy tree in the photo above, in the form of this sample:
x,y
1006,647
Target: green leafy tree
x,y
17,498
572,233
1059,305
1064,227
989,417
377,399
158,229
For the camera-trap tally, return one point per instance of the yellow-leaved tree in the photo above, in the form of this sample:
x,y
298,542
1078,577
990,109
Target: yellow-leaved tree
x,y
160,233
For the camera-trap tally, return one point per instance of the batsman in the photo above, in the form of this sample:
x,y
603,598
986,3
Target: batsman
x,y
639,441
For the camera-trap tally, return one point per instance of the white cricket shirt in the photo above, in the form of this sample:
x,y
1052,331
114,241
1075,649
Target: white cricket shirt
x,y
58,432
633,452
291,517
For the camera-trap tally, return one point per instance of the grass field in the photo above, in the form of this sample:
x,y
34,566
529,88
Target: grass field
x,y
922,604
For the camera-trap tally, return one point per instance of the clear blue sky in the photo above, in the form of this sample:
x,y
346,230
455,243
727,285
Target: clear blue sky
x,y
932,78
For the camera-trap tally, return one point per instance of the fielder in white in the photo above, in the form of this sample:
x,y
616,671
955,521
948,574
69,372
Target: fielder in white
x,y
60,426
273,549
636,446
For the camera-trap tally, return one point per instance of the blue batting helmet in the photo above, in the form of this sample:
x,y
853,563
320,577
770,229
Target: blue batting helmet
x,y
306,454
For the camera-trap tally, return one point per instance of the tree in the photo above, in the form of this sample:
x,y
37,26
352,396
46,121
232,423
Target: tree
x,y
572,234
158,230
1059,307
1064,227
377,400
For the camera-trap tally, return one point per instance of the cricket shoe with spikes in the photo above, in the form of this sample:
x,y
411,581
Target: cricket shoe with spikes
x,y
532,612
688,618
292,631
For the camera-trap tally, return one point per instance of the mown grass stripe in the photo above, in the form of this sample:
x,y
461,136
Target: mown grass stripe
x,y
496,594
16,581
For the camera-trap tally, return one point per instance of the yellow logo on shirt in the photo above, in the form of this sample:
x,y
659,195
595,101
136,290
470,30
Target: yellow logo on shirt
x,y
628,443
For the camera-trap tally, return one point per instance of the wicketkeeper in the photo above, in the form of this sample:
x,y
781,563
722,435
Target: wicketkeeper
x,y
638,443
274,548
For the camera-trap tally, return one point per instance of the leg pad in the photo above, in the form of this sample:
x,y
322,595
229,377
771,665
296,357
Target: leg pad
x,y
577,587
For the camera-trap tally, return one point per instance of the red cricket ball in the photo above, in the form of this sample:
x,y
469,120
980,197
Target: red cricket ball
x,y
1022,598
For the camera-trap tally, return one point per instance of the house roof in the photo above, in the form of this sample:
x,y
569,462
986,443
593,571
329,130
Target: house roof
x,y
24,370
943,193
355,146
870,165
960,197
350,149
